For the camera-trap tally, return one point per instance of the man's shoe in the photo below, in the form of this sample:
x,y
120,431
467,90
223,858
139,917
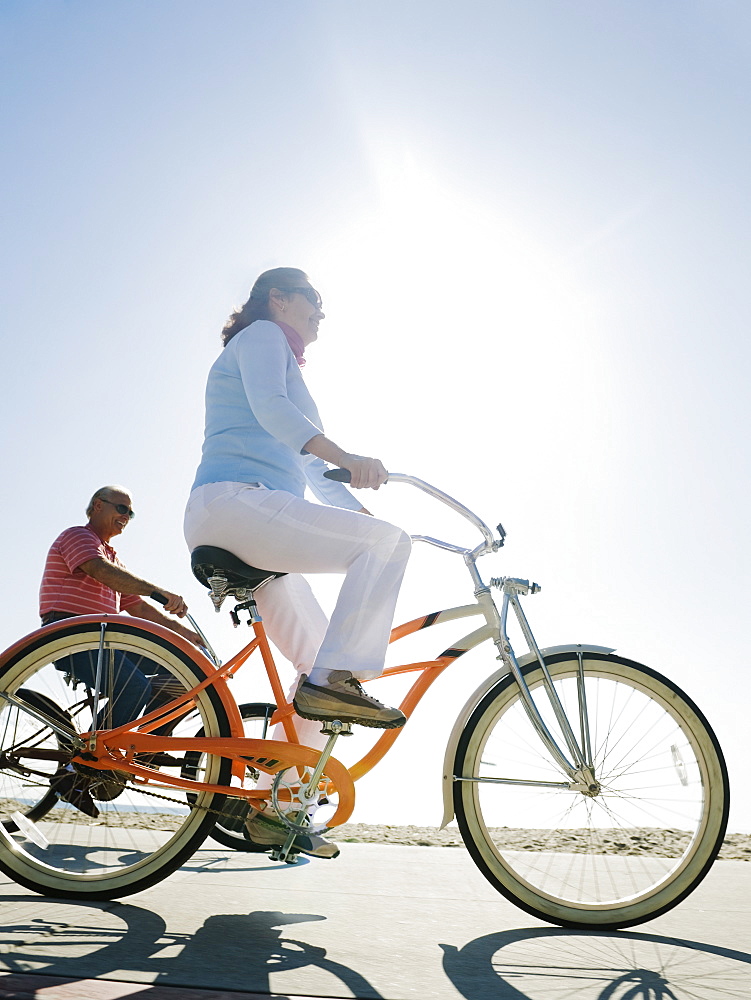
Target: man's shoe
x,y
74,788
343,698
269,832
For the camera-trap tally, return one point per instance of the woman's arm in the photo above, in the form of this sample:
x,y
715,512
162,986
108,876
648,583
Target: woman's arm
x,y
262,359
329,491
367,473
262,356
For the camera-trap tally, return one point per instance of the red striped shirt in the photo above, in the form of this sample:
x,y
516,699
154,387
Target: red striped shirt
x,y
65,586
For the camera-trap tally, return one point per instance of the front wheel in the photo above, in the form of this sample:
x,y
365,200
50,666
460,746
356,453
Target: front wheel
x,y
612,852
97,834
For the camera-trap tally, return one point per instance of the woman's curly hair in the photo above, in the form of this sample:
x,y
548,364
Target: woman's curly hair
x,y
257,306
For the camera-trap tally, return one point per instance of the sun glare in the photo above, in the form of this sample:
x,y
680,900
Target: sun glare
x,y
458,308
438,259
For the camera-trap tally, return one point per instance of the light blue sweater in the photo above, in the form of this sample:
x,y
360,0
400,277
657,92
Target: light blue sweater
x,y
259,417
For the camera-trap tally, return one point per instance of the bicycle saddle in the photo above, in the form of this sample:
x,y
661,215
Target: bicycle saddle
x,y
209,561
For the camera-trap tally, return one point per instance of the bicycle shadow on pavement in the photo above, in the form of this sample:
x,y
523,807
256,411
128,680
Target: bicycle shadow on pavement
x,y
78,857
230,951
539,963
207,860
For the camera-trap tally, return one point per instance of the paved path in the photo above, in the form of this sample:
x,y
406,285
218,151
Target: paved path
x,y
380,921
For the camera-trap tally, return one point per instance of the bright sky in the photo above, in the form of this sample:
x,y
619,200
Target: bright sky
x,y
529,223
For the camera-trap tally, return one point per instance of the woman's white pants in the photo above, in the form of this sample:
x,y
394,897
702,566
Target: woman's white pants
x,y
272,529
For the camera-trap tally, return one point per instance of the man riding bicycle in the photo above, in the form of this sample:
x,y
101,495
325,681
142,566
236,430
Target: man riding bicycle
x,y
83,576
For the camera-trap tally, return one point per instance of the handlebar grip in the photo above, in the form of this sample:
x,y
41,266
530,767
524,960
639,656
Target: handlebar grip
x,y
159,598
339,475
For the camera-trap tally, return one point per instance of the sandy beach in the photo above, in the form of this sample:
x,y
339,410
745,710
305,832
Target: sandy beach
x,y
736,846
640,840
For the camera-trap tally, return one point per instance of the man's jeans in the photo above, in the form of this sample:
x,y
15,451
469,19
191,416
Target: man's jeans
x,y
131,688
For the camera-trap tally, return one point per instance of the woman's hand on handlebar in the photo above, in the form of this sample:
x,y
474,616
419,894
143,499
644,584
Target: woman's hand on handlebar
x,y
367,473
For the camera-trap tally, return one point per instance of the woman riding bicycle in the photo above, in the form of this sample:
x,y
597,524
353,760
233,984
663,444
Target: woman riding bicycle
x,y
264,443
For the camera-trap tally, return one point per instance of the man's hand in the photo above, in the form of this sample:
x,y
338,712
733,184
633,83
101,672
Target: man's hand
x,y
189,634
144,609
175,605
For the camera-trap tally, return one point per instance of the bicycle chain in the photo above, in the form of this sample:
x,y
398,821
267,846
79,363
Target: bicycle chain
x,y
154,795
180,802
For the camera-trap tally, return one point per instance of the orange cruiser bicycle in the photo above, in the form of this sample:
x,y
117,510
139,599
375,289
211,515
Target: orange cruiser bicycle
x,y
560,759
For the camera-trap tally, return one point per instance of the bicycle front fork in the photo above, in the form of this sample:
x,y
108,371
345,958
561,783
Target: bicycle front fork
x,y
580,769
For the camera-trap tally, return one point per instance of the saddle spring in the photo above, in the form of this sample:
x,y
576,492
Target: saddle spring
x,y
219,589
218,586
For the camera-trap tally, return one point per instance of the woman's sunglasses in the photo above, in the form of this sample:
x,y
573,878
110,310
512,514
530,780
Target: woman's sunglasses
x,y
310,294
121,509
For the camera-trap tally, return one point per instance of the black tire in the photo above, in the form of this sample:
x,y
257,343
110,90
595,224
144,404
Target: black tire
x,y
229,830
136,840
625,854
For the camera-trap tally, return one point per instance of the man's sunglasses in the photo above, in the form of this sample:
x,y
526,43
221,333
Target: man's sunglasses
x,y
310,294
121,509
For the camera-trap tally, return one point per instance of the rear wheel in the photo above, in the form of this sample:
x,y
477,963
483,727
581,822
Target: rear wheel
x,y
613,852
141,833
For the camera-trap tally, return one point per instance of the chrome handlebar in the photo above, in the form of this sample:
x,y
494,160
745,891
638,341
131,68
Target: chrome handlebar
x,y
491,544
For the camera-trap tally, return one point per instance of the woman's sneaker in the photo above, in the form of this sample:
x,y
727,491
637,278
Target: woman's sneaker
x,y
343,698
269,832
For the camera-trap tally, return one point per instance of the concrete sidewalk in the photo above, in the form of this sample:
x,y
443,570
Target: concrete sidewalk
x,y
380,921
20,987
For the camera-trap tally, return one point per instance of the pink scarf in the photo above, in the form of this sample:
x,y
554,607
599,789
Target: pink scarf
x,y
295,342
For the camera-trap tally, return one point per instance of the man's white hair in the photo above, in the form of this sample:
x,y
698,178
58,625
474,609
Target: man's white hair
x,y
105,493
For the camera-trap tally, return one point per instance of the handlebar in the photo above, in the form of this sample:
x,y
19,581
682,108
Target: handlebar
x,y
207,647
492,544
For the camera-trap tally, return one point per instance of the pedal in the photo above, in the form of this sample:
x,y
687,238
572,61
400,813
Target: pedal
x,y
336,728
286,853
288,856
30,831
